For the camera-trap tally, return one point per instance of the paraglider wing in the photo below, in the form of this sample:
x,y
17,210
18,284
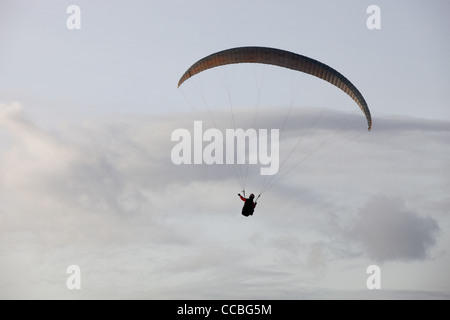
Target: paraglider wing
x,y
284,59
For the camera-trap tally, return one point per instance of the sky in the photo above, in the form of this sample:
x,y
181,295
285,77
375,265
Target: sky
x,y
86,176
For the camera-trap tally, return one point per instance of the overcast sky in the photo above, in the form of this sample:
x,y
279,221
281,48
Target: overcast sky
x,y
86,176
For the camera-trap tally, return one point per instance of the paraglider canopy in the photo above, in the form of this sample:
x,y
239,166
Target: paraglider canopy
x,y
284,59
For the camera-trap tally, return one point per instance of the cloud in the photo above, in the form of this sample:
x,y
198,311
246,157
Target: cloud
x,y
389,231
104,194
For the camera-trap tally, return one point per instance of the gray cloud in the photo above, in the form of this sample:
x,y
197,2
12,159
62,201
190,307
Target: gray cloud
x,y
389,231
104,194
